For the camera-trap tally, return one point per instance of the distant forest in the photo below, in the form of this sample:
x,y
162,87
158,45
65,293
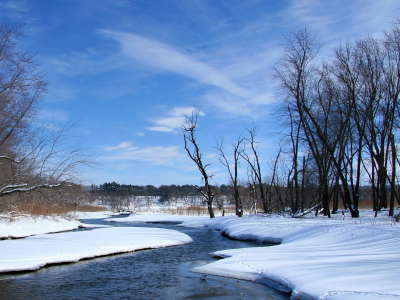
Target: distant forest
x,y
150,190
128,196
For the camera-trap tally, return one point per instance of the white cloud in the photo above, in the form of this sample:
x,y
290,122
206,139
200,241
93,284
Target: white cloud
x,y
157,155
236,106
173,121
170,122
170,59
179,111
15,5
122,145
161,128
334,20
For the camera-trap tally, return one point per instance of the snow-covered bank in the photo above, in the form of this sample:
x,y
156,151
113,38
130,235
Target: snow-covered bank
x,y
93,215
317,258
27,226
34,252
158,217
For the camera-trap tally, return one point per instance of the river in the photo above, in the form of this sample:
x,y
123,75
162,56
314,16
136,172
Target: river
x,y
150,274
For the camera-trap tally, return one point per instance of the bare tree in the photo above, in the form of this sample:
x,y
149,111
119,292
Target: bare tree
x,y
272,181
253,162
32,157
251,188
192,148
43,160
233,176
348,112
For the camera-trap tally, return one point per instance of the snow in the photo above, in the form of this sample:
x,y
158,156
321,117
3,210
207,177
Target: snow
x,y
26,226
158,217
317,258
37,251
93,215
313,258
34,252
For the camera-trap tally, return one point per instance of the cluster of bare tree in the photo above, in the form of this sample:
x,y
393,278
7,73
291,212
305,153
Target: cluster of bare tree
x,y
342,124
343,116
34,158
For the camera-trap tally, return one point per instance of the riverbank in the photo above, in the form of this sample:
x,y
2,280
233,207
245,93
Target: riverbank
x,y
316,257
26,247
26,225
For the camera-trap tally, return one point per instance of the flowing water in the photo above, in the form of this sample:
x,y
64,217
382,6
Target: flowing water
x,y
150,274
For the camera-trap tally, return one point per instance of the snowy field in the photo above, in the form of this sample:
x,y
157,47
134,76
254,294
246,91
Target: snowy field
x,y
314,258
317,258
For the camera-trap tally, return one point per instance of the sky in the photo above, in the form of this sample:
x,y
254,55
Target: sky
x,y
126,72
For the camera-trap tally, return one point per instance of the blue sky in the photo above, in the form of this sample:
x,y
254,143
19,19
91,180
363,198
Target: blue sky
x,y
127,71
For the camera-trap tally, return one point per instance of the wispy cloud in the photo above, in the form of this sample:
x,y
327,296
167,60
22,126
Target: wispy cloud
x,y
59,115
15,5
333,20
255,106
123,145
173,121
157,155
169,58
78,63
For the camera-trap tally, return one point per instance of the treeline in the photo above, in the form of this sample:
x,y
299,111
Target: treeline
x,y
127,196
163,192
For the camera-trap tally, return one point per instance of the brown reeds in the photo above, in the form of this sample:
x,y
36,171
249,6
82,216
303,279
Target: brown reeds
x,y
45,209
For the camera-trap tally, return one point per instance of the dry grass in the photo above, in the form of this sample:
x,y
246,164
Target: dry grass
x,y
366,204
201,210
91,208
192,210
44,209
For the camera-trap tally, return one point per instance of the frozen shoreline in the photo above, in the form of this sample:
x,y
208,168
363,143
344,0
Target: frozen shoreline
x,y
317,258
34,252
27,226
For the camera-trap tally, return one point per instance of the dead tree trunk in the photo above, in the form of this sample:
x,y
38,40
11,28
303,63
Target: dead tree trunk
x,y
192,149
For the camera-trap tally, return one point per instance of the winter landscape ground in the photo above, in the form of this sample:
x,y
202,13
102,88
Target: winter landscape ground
x,y
314,257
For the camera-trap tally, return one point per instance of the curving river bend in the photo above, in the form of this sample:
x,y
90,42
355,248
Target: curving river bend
x,y
150,274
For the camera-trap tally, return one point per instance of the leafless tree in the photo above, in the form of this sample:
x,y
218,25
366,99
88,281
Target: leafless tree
x,y
251,189
192,148
272,183
253,161
309,95
233,175
43,159
32,157
348,111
